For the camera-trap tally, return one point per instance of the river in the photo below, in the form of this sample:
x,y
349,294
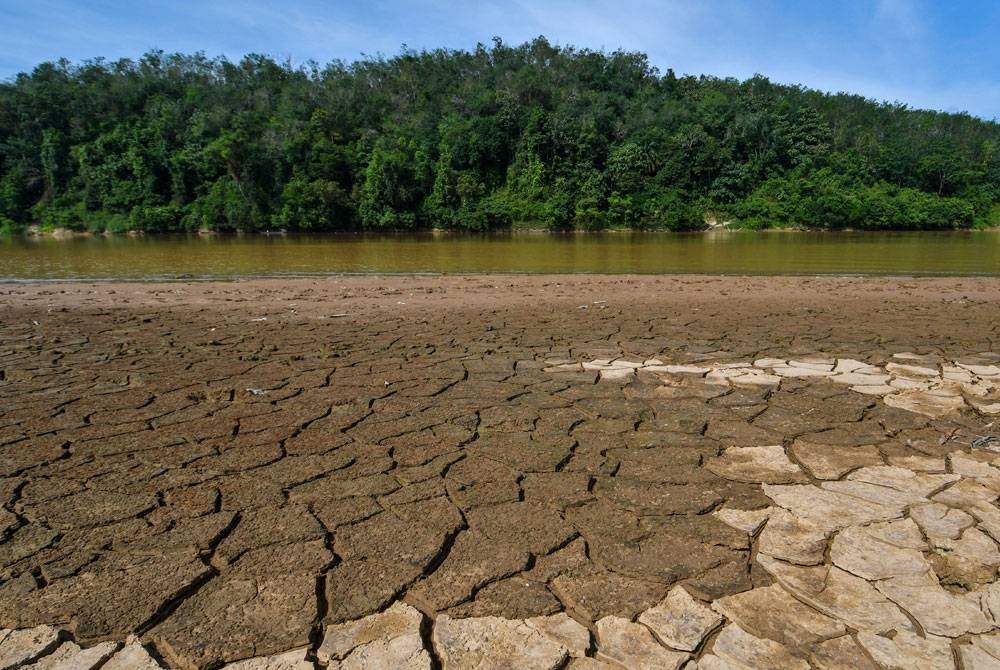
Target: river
x,y
737,253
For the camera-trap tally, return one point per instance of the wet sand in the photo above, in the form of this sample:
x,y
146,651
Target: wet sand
x,y
227,468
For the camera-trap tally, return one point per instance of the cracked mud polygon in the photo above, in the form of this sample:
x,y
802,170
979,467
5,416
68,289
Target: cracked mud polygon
x,y
224,469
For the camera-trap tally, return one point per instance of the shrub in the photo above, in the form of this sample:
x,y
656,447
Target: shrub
x,y
156,218
9,226
671,210
68,218
313,205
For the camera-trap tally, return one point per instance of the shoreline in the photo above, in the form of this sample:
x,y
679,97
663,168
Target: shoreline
x,y
66,234
402,293
291,277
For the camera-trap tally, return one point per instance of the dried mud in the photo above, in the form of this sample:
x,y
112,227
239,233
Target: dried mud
x,y
226,468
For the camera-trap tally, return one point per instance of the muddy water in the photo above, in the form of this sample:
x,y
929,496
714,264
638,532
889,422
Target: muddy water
x,y
965,253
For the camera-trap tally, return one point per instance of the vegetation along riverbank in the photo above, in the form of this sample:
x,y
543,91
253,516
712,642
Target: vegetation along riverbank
x,y
502,136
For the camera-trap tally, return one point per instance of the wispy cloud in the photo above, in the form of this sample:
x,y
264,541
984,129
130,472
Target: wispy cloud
x,y
902,17
927,54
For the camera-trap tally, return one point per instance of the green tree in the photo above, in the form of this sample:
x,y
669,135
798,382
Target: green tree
x,y
527,134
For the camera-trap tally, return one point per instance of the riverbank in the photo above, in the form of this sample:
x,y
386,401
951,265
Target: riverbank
x,y
859,299
727,227
236,469
846,311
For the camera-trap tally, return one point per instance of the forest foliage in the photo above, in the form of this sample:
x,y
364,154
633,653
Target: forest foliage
x,y
501,136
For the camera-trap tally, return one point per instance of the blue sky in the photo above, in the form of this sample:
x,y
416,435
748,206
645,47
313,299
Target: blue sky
x,y
939,55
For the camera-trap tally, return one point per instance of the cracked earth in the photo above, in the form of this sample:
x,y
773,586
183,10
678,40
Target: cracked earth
x,y
490,472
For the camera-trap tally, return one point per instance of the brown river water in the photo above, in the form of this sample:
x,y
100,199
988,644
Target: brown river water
x,y
733,253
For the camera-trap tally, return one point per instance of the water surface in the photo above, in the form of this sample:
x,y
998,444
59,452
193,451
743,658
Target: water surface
x,y
743,253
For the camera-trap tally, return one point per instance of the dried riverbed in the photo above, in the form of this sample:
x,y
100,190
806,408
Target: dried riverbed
x,y
545,471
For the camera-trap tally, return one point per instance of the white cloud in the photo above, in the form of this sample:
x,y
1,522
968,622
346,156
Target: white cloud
x,y
901,16
885,49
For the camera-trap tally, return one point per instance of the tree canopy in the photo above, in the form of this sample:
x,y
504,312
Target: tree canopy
x,y
503,135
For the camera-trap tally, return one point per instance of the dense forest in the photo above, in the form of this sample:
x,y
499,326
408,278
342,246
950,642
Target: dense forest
x,y
531,135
